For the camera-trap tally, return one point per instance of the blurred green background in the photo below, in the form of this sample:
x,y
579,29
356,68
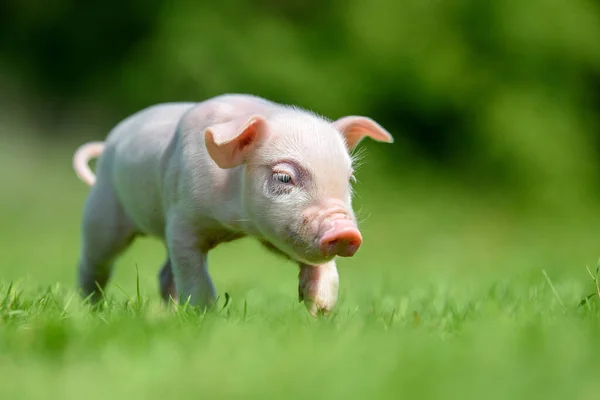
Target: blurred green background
x,y
493,179
494,107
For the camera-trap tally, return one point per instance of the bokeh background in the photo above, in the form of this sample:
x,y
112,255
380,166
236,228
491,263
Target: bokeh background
x,y
495,108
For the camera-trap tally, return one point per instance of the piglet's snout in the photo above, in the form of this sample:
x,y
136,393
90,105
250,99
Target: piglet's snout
x,y
341,239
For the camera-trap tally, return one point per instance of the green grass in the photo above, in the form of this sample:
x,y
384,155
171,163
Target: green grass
x,y
498,342
453,295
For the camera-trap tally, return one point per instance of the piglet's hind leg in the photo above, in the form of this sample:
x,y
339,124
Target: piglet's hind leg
x,y
166,282
106,233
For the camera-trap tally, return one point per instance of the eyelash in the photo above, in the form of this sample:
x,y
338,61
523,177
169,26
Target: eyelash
x,y
283,178
287,178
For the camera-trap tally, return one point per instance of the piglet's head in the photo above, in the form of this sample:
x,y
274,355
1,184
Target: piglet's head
x,y
297,178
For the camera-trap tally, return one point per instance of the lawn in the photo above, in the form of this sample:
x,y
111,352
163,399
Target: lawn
x,y
454,294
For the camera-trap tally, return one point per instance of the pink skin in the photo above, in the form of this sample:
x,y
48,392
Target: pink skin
x,y
195,175
343,239
318,287
334,229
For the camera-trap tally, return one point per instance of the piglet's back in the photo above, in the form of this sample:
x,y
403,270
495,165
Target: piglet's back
x,y
222,109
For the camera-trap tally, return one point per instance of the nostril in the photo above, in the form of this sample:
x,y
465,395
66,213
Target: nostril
x,y
353,245
329,247
348,247
332,247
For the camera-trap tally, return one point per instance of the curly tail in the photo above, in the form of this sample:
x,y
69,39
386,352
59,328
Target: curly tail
x,y
81,159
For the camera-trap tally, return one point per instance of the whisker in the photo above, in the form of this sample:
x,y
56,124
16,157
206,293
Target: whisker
x,y
361,217
358,156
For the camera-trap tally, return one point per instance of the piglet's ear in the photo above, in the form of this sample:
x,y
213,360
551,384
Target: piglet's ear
x,y
355,128
229,143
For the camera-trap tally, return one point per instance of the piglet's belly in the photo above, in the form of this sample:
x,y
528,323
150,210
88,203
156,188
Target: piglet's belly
x,y
148,218
141,201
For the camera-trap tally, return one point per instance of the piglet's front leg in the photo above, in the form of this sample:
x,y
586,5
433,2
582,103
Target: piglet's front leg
x,y
189,266
318,287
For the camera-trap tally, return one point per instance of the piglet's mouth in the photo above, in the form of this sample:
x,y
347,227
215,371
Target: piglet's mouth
x,y
342,239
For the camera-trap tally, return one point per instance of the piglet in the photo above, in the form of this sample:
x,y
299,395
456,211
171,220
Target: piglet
x,y
195,175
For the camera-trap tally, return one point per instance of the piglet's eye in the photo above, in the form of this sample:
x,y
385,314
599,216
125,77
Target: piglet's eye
x,y
284,178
